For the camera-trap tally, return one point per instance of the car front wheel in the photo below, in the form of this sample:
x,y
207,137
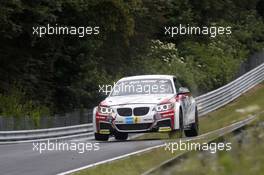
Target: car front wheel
x,y
178,133
121,136
101,137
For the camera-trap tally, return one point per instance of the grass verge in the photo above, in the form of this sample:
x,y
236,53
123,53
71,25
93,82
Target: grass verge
x,y
245,157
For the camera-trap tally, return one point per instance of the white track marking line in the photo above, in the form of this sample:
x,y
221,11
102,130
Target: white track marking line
x,y
110,160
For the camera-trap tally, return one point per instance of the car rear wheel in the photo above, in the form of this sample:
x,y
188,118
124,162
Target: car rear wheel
x,y
194,128
101,137
121,136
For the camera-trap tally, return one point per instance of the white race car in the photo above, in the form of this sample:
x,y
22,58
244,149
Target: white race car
x,y
146,103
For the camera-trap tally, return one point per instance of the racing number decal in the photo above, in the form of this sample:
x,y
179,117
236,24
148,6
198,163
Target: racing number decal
x,y
129,120
132,120
136,119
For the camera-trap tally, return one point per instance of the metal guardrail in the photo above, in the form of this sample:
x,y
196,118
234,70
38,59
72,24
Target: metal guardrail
x,y
225,94
45,133
206,103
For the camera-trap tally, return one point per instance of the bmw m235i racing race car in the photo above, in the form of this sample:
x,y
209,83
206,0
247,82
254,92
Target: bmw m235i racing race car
x,y
146,103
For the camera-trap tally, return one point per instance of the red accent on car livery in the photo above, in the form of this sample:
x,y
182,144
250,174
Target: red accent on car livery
x,y
100,117
169,114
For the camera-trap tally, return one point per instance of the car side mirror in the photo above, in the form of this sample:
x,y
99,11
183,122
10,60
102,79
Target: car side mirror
x,y
183,90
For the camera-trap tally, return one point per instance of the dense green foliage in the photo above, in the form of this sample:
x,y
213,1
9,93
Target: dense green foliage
x,y
63,72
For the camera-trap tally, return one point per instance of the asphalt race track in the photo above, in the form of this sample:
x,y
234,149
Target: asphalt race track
x,y
20,159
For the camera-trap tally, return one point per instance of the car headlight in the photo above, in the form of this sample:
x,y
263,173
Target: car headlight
x,y
105,110
164,107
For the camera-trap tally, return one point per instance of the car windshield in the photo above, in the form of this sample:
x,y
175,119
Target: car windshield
x,y
142,86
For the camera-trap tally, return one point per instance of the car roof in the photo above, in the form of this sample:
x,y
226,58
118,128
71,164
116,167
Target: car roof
x,y
138,77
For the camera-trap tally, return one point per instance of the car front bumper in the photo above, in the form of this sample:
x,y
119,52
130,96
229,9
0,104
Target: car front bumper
x,y
152,122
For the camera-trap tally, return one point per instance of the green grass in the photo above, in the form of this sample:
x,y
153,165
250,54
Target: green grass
x,y
245,157
140,163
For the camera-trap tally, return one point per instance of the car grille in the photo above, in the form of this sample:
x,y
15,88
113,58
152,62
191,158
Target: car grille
x,y
141,111
124,111
138,111
140,126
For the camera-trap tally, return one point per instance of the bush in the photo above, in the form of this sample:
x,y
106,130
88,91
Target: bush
x,y
15,104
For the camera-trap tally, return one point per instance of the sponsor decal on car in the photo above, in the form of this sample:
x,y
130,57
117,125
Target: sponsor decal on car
x,y
136,119
129,120
132,119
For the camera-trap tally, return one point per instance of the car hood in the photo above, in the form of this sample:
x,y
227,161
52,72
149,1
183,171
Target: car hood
x,y
137,99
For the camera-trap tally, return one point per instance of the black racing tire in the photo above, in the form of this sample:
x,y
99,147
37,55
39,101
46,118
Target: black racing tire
x,y
121,135
101,137
180,131
181,124
194,128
